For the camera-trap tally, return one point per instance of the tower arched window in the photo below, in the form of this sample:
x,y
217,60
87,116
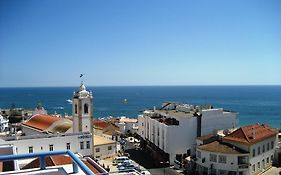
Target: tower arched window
x,y
86,108
75,108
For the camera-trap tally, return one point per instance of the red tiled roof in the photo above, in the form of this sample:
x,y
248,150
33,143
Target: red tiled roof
x,y
221,148
251,134
50,161
93,169
100,124
41,121
60,160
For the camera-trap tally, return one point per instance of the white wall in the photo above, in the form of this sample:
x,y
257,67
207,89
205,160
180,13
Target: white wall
x,y
59,143
30,131
230,165
177,139
216,119
104,151
263,155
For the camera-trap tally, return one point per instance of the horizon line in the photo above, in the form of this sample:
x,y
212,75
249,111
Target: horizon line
x,y
140,85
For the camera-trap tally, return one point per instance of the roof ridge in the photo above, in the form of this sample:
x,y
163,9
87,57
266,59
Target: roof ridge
x,y
52,160
245,135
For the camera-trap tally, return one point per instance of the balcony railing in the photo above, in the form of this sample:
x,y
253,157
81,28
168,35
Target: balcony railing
x,y
41,155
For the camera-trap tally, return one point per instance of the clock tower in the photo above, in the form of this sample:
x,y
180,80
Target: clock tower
x,y
82,110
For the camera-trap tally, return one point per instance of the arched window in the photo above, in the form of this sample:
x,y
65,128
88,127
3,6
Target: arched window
x,y
75,108
86,110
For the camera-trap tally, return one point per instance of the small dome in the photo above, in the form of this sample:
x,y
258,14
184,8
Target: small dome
x,y
82,87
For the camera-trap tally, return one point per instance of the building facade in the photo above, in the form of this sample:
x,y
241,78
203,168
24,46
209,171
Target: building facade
x,y
3,123
173,128
76,142
103,147
248,150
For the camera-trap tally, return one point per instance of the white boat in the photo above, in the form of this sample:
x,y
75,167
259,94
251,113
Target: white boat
x,y
69,101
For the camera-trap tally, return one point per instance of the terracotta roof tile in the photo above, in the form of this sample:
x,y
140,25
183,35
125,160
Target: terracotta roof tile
x,y
92,168
251,134
61,160
41,121
50,161
100,124
217,146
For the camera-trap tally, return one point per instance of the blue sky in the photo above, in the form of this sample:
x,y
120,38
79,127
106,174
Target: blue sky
x,y
140,42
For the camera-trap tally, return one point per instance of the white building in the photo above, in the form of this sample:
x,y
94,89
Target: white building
x,y
127,125
103,147
173,129
248,150
76,142
3,123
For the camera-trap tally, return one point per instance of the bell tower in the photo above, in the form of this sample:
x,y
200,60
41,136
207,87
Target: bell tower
x,y
82,110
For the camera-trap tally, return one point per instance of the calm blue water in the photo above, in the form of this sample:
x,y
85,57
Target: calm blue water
x,y
255,104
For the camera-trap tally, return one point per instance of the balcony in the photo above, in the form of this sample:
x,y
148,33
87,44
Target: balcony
x,y
243,162
78,167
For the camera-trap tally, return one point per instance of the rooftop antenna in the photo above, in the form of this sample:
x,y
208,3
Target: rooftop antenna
x,y
81,77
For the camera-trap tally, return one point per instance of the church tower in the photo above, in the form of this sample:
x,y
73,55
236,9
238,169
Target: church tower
x,y
82,110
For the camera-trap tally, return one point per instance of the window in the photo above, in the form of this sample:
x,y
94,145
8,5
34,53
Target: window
x,y
86,108
67,146
30,149
254,152
97,150
75,108
142,132
267,160
259,165
198,154
213,158
267,147
222,172
141,124
271,158
51,147
263,148
254,168
222,159
109,147
81,145
88,144
272,144
259,150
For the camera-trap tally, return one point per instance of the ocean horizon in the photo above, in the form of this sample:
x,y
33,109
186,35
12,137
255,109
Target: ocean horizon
x,y
254,103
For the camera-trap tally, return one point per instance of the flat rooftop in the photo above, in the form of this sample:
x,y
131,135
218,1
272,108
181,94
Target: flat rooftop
x,y
173,112
99,140
10,138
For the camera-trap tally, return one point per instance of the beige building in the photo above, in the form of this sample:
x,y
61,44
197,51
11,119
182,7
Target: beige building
x,y
103,147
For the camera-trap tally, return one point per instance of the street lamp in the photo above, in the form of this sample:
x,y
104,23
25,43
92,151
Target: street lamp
x,y
164,163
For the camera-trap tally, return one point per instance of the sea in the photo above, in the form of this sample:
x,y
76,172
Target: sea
x,y
254,104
